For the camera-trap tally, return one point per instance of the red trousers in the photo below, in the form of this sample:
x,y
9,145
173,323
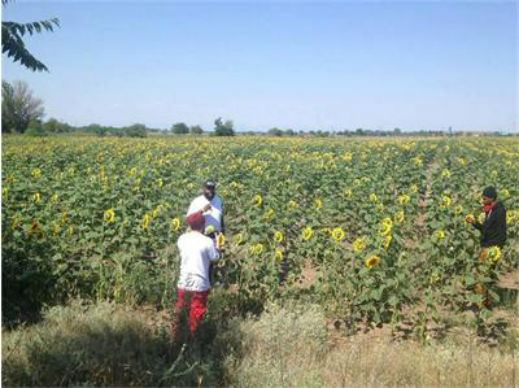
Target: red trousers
x,y
194,302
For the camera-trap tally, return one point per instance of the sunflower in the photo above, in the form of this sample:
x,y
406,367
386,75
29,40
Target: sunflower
x,y
470,218
373,198
511,216
36,197
54,198
338,234
504,193
387,223
414,189
348,193
35,228
403,199
293,205
56,229
220,240
458,209
446,201
347,157
387,241
36,173
258,249
318,203
399,216
176,224
439,234
239,238
278,236
146,221
494,254
257,200
307,233
109,216
359,244
481,217
209,229
446,174
160,182
270,214
372,261
279,254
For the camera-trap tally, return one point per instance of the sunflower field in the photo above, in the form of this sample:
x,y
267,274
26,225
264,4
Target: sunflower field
x,y
381,222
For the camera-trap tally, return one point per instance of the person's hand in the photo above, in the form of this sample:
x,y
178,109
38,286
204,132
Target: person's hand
x,y
470,219
206,208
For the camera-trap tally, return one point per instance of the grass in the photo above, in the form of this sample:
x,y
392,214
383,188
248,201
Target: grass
x,y
291,346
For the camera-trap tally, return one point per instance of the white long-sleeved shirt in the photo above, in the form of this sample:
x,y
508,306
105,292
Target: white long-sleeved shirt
x,y
196,253
214,215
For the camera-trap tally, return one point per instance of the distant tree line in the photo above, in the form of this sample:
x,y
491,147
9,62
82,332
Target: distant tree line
x,y
22,112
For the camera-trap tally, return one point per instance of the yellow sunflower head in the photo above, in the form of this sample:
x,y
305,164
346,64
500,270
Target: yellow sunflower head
x,y
494,254
446,201
258,249
372,261
338,234
400,216
307,233
176,224
257,200
359,244
403,199
278,236
440,234
387,241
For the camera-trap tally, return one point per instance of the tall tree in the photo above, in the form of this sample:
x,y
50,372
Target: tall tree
x,y
19,107
223,129
14,46
196,130
179,128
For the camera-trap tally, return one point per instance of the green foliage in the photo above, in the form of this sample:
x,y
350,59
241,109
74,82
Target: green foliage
x,y
180,129
19,107
223,129
196,130
14,46
136,130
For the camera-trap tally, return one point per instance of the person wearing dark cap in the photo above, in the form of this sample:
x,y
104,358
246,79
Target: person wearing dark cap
x,y
493,228
197,252
211,206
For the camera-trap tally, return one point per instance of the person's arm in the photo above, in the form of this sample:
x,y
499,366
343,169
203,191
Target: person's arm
x,y
477,225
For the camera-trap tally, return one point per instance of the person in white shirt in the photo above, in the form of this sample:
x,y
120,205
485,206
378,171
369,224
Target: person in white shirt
x,y
197,252
211,206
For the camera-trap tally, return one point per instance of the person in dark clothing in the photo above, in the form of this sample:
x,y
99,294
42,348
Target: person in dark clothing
x,y
493,234
493,229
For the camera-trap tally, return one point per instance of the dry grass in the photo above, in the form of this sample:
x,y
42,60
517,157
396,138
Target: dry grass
x,y
290,346
286,348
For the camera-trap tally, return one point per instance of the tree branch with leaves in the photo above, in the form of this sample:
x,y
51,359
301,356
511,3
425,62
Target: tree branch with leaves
x,y
14,46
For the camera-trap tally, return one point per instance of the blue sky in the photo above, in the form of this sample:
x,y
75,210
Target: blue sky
x,y
316,65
